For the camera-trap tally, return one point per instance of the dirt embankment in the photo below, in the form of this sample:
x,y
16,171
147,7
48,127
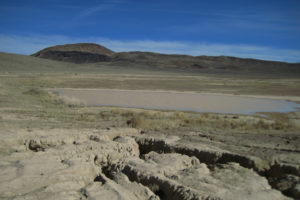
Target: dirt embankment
x,y
129,164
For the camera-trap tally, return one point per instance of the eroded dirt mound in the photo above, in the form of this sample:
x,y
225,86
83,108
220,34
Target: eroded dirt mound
x,y
121,163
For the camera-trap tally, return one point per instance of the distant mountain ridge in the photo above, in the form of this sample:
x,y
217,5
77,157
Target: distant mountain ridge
x,y
93,53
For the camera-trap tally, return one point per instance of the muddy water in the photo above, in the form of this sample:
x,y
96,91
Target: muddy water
x,y
183,101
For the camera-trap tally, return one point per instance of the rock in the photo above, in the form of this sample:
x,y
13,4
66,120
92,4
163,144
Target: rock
x,y
40,144
287,184
295,191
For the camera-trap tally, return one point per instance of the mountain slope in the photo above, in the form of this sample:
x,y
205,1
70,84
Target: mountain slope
x,y
213,64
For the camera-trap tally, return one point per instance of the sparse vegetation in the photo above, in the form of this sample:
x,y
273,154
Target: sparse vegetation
x,y
49,109
164,120
23,97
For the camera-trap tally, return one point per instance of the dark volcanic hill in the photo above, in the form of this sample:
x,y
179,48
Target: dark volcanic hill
x,y
76,53
93,53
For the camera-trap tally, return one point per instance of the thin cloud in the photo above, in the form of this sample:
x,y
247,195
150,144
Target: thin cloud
x,y
92,10
33,43
106,5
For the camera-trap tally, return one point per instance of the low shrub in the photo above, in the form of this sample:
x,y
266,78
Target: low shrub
x,y
35,92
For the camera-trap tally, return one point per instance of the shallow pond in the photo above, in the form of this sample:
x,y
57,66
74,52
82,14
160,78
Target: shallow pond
x,y
182,101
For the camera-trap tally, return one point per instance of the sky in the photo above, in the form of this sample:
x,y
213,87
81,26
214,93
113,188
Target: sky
x,y
261,29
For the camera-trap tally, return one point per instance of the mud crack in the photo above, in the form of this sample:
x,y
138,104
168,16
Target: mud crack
x,y
273,172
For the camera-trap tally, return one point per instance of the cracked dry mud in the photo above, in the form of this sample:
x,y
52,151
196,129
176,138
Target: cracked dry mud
x,y
123,164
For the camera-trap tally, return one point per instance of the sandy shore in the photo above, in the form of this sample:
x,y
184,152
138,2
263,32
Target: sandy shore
x,y
184,101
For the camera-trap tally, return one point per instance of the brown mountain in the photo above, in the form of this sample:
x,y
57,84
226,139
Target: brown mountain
x,y
93,53
76,53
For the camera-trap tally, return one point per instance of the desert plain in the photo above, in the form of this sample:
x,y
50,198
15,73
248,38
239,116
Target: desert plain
x,y
56,145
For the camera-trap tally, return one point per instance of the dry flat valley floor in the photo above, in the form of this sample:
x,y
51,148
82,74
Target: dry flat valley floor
x,y
54,147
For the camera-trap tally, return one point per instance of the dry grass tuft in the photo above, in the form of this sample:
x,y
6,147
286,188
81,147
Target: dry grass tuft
x,y
116,111
179,116
72,102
